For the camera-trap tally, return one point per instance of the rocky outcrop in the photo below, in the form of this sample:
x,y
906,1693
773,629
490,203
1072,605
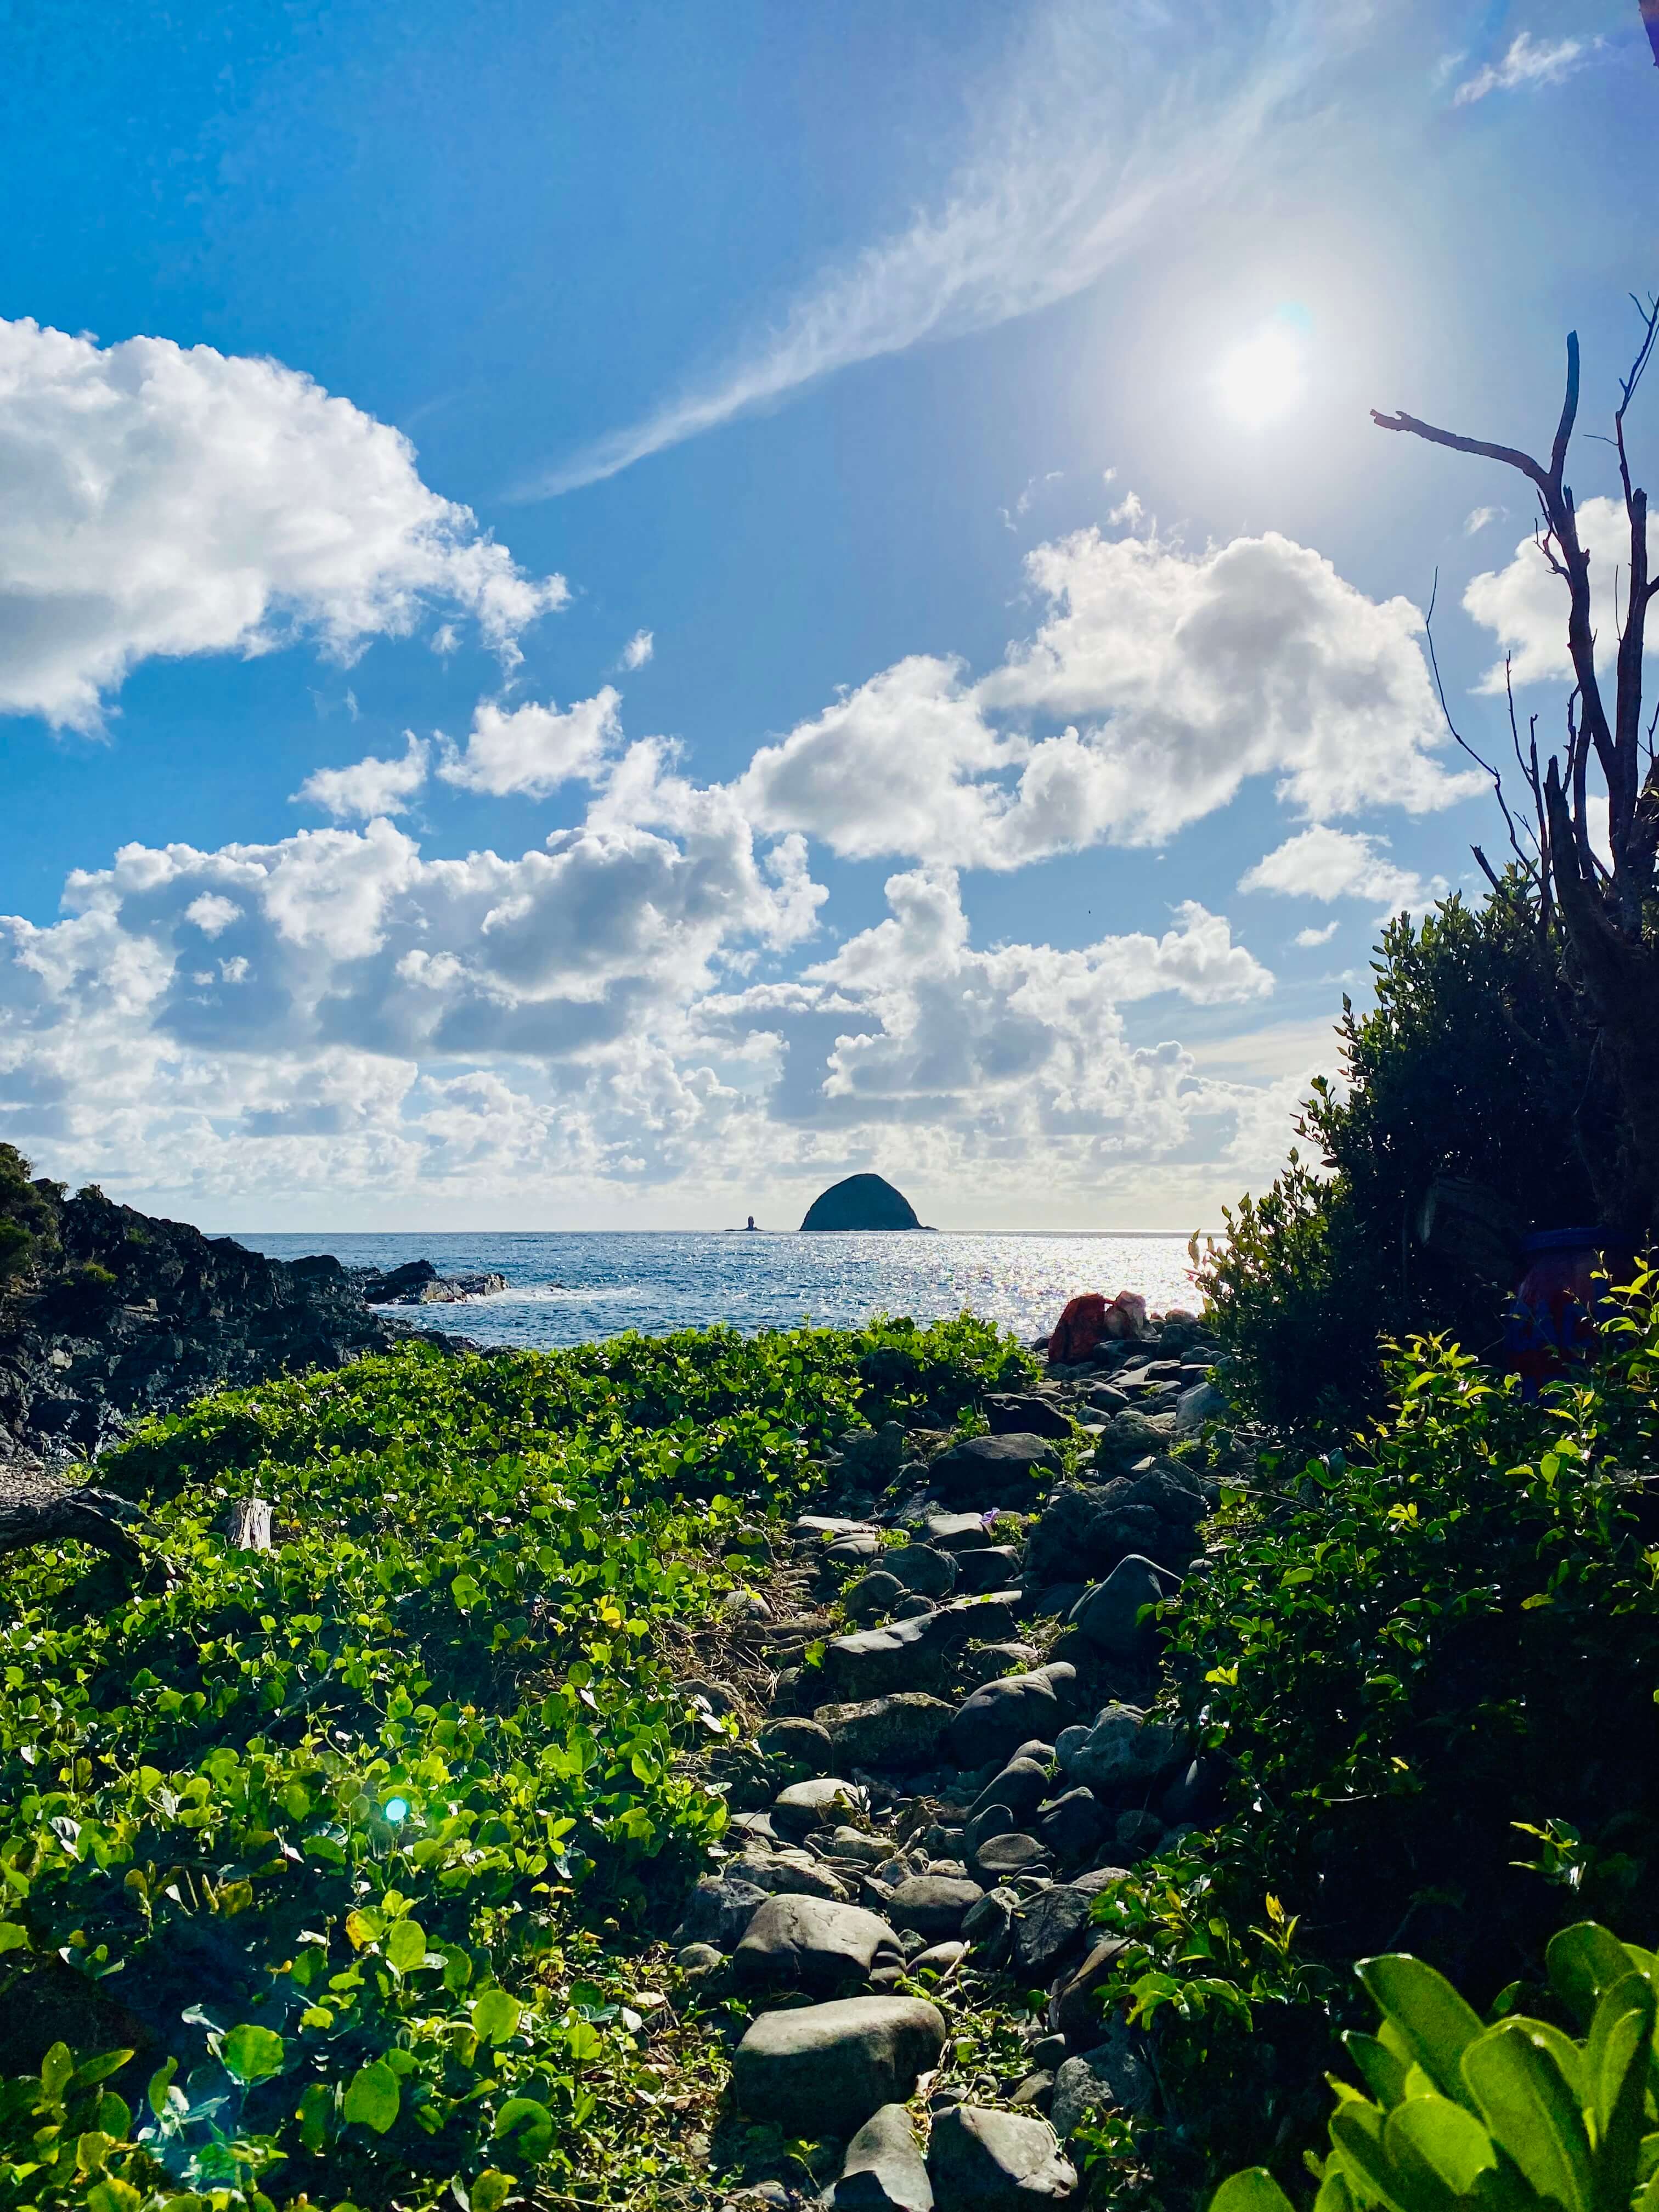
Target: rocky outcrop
x,y
417,1283
124,1315
862,1201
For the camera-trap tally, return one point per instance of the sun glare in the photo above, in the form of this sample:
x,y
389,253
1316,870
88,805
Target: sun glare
x,y
1262,378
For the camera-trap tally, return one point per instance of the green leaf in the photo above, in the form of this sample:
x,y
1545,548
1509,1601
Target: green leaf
x,y
100,2068
406,1945
1584,1961
12,1937
495,2015
1445,2137
160,2081
491,2191
465,1592
56,2071
1384,2072
1618,2075
372,2096
1334,2194
1531,2110
1356,2137
531,2125
251,2054
1255,2190
1430,2019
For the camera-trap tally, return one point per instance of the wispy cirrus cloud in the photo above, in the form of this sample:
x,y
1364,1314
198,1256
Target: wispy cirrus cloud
x,y
1099,136
1527,62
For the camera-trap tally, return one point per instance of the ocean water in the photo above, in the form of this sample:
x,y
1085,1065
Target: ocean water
x,y
571,1287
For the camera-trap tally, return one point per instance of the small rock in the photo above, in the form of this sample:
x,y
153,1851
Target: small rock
x,y
872,1595
1072,1826
861,1549
1202,1402
802,1741
718,1912
851,1844
1115,2077
790,1874
804,1806
1124,1749
884,2170
1076,2011
902,1730
933,1905
1049,2050
939,1958
988,1921
984,2160
999,1714
997,1567
801,1942
957,1532
1008,1470
1138,1834
814,1527
746,1605
1109,1615
1021,1786
989,1821
1034,2090
1050,1928
698,1958
826,2068
991,1661
921,1568
999,1858
914,1607
1022,1412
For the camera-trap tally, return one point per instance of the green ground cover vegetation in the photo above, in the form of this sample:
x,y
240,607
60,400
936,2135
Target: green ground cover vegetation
x,y
351,1841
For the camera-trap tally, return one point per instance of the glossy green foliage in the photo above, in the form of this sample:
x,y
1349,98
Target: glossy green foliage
x,y
28,1220
318,1823
1518,2114
1427,1667
1469,1064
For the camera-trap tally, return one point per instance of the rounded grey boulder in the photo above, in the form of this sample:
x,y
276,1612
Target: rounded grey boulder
x,y
804,1942
825,2070
1109,1613
884,2170
934,1905
920,1568
804,1806
983,2160
1001,1715
900,1730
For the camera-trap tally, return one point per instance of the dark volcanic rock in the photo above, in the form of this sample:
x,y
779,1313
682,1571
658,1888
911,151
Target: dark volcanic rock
x,y
138,1315
417,1283
862,1201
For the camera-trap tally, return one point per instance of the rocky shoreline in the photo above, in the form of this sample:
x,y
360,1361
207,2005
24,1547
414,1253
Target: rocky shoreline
x,y
136,1316
959,1755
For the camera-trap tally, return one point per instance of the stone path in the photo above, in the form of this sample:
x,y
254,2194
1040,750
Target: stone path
x,y
955,1777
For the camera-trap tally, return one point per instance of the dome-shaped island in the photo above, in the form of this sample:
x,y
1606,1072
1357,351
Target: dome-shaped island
x,y
862,1201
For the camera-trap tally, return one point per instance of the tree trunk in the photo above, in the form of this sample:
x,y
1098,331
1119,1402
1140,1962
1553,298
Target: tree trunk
x,y
247,1525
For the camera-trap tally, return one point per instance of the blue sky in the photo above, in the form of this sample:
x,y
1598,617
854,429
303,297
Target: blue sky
x,y
607,614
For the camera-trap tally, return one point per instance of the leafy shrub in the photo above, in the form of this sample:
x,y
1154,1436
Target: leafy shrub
x,y
1469,1064
325,1830
1428,1668
1516,2114
28,1235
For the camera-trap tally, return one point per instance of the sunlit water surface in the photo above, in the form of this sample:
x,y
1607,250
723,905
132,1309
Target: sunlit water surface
x,y
569,1287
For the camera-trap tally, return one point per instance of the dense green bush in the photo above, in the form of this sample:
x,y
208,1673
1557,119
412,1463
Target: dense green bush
x,y
316,1831
1469,1064
28,1235
1428,1668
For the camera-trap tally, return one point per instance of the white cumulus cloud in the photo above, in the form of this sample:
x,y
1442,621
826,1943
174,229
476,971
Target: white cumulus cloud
x,y
638,649
370,786
532,750
1332,864
1176,675
1524,604
164,500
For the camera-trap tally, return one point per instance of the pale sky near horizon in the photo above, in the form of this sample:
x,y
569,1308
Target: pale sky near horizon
x,y
602,624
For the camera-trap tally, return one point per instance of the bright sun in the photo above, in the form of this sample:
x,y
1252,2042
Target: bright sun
x,y
1261,378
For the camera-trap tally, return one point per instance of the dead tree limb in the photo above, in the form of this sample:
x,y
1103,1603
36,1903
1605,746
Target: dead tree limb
x,y
38,1508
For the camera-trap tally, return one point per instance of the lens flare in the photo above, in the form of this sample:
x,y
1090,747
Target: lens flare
x,y
396,1810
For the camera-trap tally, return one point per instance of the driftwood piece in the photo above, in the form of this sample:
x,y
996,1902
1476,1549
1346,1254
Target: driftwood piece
x,y
38,1508
247,1525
